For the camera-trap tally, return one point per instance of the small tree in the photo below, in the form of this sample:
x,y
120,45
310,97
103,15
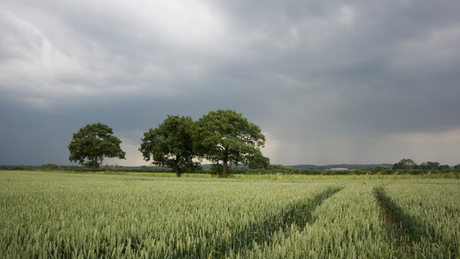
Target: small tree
x,y
259,162
226,136
170,144
444,168
92,143
404,164
427,166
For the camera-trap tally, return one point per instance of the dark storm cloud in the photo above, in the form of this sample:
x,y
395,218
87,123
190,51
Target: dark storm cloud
x,y
382,59
326,81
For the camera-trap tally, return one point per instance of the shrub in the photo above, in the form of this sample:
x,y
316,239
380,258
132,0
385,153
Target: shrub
x,y
49,167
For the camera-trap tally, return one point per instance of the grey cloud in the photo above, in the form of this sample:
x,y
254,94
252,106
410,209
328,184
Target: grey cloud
x,y
310,73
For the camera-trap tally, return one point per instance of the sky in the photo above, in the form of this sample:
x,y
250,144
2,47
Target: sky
x,y
328,82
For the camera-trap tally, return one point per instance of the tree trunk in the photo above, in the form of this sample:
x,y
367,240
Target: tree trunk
x,y
177,172
94,164
224,168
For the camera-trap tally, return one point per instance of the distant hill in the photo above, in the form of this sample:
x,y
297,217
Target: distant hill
x,y
348,166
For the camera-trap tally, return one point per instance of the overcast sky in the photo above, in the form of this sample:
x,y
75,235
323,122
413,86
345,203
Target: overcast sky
x,y
326,81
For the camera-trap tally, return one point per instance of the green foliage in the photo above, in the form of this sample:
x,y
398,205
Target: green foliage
x,y
92,143
280,169
382,170
171,145
259,162
364,171
408,166
444,168
404,164
227,136
49,167
216,170
427,166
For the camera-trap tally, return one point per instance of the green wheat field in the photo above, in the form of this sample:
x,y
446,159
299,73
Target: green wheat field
x,y
71,215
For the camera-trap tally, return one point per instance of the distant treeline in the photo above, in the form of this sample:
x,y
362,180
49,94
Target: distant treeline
x,y
409,168
78,168
375,170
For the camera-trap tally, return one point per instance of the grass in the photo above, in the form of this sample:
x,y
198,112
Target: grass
x,y
132,215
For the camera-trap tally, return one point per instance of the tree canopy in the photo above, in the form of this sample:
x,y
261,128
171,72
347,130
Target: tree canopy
x,y
170,144
225,135
410,165
92,143
404,164
258,162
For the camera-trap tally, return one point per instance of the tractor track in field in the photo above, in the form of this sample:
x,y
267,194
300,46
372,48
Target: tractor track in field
x,y
400,227
388,218
261,233
298,214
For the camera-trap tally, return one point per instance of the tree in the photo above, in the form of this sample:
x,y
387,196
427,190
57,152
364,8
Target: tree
x,y
170,144
444,168
404,164
92,143
259,162
427,166
227,136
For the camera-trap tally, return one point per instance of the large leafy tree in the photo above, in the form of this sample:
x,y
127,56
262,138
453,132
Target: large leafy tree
x,y
170,144
92,143
225,135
